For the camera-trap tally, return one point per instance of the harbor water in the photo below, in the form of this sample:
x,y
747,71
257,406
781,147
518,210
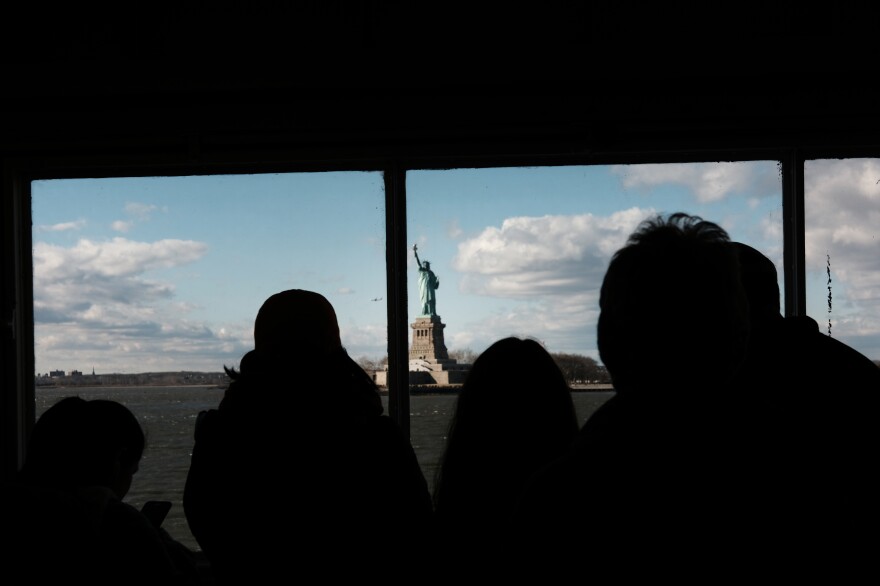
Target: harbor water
x,y
168,416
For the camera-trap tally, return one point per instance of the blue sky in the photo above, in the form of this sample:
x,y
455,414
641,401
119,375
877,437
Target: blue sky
x,y
167,273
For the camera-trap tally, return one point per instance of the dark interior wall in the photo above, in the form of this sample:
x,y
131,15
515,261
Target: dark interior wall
x,y
329,78
204,87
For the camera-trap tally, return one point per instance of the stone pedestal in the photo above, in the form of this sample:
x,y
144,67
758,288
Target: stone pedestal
x,y
427,339
429,361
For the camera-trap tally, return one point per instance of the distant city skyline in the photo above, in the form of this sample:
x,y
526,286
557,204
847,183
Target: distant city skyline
x,y
167,273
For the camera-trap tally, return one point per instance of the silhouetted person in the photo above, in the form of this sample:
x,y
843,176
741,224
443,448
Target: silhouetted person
x,y
795,349
513,415
81,458
821,398
298,474
664,479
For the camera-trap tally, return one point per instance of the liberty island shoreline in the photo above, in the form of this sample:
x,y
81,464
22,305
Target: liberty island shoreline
x,y
452,389
219,380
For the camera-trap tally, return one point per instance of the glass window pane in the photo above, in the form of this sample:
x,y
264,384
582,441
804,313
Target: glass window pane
x,y
165,275
842,234
523,251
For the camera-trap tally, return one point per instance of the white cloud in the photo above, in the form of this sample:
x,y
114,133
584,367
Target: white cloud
x,y
117,257
842,214
842,221
140,211
709,182
549,255
185,346
103,282
95,298
550,268
62,226
560,323
365,339
121,226
453,229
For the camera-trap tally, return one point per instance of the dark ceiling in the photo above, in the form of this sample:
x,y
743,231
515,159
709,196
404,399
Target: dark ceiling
x,y
388,79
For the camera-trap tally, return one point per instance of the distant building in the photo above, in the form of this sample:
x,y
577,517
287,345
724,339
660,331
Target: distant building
x,y
56,373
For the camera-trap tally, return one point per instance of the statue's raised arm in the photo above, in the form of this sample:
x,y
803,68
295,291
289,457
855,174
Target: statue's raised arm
x,y
428,284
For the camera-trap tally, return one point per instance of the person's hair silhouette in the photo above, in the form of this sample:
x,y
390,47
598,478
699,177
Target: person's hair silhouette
x,y
85,453
78,443
298,472
656,483
513,415
671,302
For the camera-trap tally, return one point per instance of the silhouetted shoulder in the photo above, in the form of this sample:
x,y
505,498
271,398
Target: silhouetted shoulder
x,y
309,460
51,534
839,360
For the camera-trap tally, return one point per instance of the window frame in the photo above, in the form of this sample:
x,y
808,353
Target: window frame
x,y
18,364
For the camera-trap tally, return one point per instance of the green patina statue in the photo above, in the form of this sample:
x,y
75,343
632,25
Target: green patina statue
x,y
428,285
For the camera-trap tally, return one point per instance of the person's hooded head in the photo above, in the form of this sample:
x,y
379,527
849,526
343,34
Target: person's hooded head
x,y
300,327
297,322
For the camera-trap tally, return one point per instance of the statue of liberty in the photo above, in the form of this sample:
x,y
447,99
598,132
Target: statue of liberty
x,y
428,285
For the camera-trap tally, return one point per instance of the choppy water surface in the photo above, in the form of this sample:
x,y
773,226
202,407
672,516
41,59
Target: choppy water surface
x,y
168,416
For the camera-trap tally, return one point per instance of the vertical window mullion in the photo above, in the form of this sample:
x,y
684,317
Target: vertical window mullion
x,y
18,355
794,273
395,269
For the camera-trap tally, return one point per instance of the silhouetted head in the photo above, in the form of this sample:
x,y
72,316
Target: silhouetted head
x,y
514,413
299,325
672,307
760,283
297,321
513,380
78,443
427,264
